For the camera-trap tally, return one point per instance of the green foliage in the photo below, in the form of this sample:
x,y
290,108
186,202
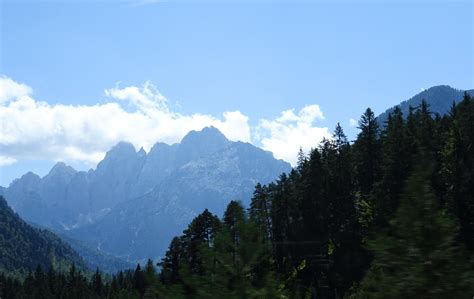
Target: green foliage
x,y
457,171
390,216
74,284
418,257
23,247
235,261
367,153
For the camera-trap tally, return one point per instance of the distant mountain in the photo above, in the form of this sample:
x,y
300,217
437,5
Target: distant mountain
x,y
440,98
23,247
94,258
144,226
133,202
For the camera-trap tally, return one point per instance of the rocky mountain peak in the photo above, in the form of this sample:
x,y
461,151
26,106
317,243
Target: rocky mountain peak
x,y
209,135
121,149
61,169
28,181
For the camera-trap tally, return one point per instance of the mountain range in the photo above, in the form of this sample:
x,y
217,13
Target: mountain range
x,y
134,202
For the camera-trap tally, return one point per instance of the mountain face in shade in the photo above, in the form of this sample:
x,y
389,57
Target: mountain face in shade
x,y
439,98
144,226
133,202
164,159
23,247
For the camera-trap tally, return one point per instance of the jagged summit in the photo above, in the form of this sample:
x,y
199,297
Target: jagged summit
x,y
207,135
122,148
171,183
60,168
28,179
160,146
141,152
197,144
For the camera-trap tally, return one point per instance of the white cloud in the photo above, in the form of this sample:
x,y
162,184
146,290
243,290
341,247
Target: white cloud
x,y
4,161
10,89
32,129
147,98
285,135
353,122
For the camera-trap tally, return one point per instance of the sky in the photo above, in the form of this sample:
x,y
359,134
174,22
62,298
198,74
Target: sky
x,y
76,77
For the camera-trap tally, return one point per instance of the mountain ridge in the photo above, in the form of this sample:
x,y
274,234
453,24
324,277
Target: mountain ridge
x,y
439,97
204,160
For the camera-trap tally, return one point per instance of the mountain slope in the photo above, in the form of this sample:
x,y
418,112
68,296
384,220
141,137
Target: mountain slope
x,y
94,258
440,98
143,227
103,206
25,247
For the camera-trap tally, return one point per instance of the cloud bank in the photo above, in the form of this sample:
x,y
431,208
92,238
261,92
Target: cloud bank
x,y
285,135
32,129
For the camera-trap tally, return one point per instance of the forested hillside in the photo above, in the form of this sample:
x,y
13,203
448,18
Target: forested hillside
x,y
389,216
23,247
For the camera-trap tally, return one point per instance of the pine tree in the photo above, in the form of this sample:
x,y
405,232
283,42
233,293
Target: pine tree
x,y
97,283
260,210
170,264
139,281
395,166
240,265
150,272
367,152
199,233
457,168
234,217
419,257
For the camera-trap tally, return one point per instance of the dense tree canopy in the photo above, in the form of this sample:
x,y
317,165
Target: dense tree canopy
x,y
389,216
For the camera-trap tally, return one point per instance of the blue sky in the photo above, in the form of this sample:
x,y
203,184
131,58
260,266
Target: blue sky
x,y
260,58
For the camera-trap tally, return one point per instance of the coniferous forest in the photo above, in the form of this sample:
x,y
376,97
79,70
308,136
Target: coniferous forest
x,y
390,215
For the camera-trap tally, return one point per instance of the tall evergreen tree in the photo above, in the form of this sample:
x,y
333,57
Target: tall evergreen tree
x,y
199,233
260,210
367,152
139,281
97,283
170,264
457,168
395,164
419,258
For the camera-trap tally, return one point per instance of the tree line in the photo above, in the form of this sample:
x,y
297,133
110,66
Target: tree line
x,y
390,215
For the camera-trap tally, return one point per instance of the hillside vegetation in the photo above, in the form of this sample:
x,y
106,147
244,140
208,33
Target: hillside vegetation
x,y
389,216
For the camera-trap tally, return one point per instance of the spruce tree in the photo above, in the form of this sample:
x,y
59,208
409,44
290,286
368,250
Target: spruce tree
x,y
418,257
260,210
170,264
367,152
97,283
395,164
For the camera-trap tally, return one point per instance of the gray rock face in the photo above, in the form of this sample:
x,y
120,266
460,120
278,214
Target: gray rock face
x,y
133,203
54,184
115,176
